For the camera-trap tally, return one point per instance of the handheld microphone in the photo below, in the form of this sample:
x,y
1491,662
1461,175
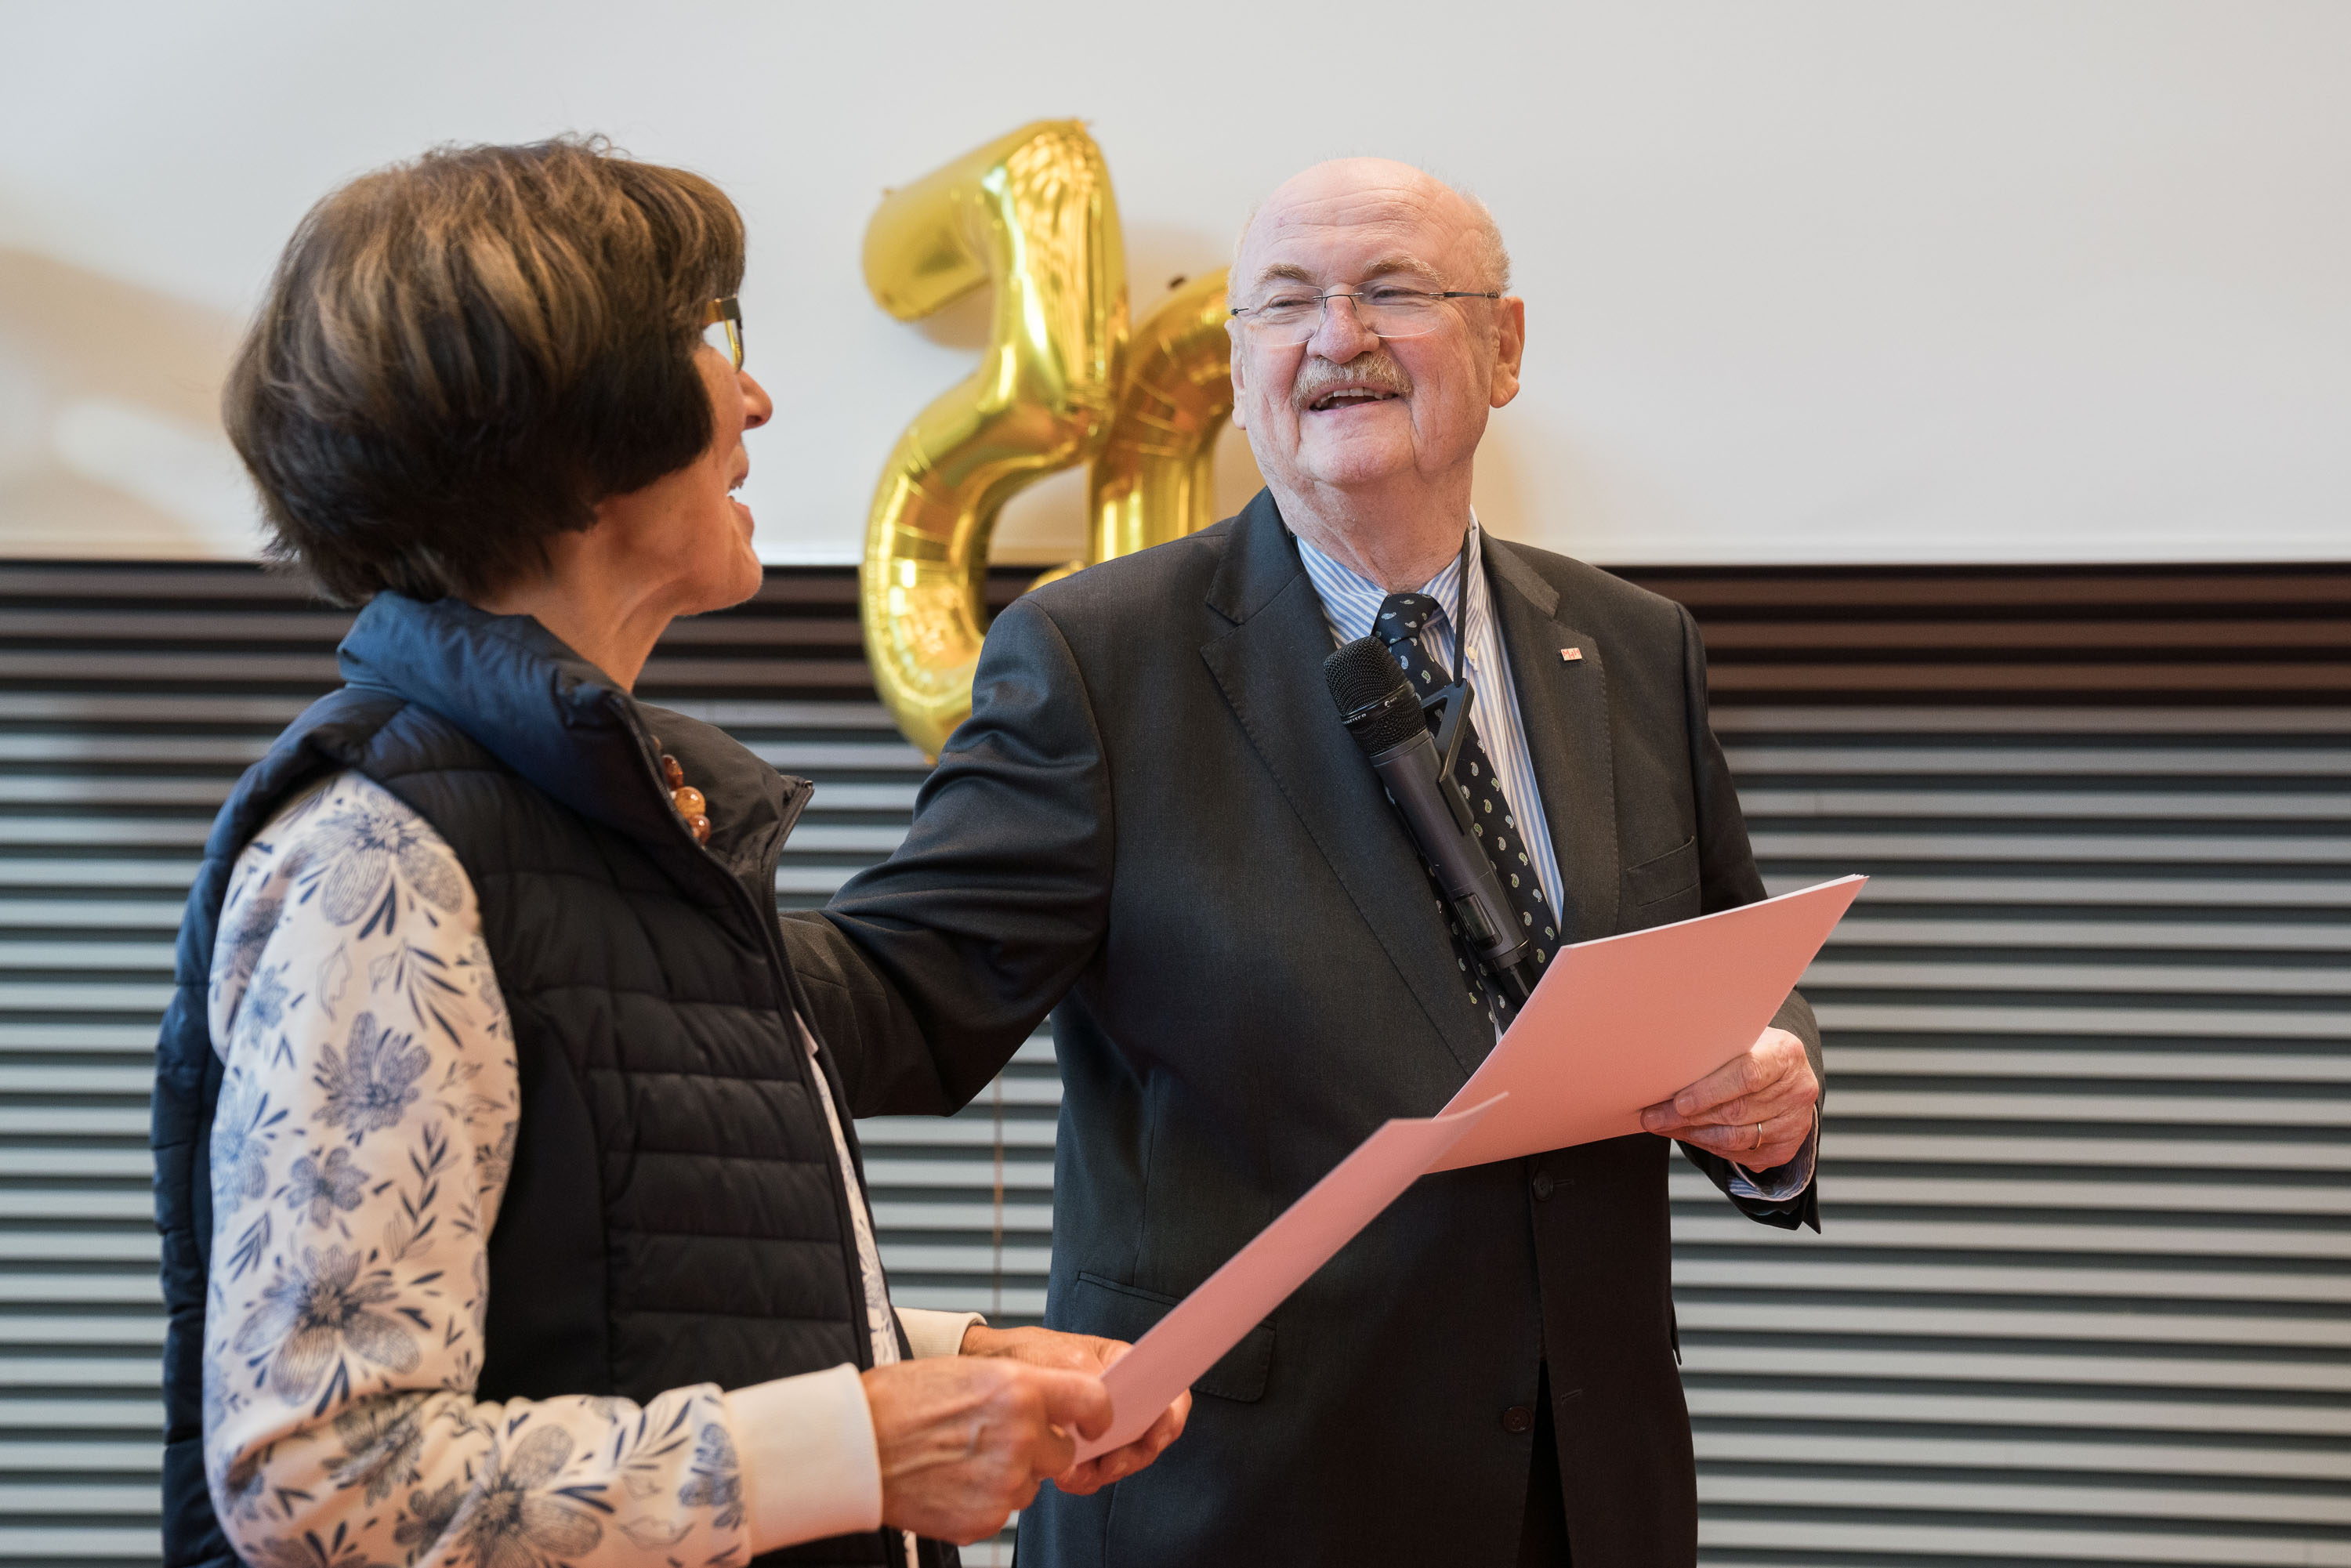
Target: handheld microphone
x,y
1381,710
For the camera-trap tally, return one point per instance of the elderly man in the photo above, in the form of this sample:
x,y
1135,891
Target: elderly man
x,y
1155,819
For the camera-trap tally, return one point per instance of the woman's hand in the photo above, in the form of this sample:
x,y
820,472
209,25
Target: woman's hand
x,y
964,1440
1092,1354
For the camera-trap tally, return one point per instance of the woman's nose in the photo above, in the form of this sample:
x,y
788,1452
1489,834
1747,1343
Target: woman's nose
x,y
757,406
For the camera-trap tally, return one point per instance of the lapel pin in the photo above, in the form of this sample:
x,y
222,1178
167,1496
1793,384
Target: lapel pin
x,y
1571,655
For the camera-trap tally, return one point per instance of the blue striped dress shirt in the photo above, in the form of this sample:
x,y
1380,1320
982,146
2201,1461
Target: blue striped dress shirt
x,y
1351,603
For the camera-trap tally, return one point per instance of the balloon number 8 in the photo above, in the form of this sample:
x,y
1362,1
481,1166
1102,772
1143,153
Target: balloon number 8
x,y
1059,383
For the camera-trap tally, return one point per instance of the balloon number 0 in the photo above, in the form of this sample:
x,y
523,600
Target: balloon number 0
x,y
1060,384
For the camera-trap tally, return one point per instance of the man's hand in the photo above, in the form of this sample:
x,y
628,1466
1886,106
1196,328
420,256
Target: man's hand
x,y
1090,1354
964,1440
1755,1110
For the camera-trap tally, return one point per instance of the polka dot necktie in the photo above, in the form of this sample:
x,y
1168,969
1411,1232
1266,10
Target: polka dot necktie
x,y
1401,616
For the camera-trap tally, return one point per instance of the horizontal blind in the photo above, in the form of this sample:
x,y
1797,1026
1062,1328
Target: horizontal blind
x,y
2085,1293
2206,635
98,839
2082,1292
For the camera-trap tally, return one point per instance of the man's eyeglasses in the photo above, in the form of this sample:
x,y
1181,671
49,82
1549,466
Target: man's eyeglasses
x,y
1385,310
722,327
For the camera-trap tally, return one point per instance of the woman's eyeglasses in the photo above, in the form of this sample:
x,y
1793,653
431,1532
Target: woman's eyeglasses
x,y
722,327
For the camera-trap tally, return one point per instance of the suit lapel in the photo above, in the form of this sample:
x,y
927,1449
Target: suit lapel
x,y
1564,706
1269,669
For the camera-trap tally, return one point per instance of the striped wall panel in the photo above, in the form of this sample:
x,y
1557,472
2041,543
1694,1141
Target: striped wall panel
x,y
2085,1293
2083,1289
2031,635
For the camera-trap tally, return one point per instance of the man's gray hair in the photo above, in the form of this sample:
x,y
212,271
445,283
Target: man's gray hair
x,y
1494,257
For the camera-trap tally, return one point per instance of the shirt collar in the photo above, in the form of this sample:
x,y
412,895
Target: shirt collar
x,y
1351,601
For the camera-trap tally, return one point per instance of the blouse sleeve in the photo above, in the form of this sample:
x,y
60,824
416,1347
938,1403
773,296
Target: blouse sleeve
x,y
359,1156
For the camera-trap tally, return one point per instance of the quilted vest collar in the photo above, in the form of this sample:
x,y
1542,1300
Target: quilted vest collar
x,y
524,695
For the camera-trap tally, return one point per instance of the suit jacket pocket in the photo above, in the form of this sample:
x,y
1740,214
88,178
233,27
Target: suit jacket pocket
x,y
1659,879
1100,1306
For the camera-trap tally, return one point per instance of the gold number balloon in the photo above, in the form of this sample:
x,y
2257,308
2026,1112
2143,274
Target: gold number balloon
x,y
1154,478
1032,215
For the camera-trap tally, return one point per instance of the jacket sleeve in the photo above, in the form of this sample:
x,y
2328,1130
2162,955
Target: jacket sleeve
x,y
925,973
1727,879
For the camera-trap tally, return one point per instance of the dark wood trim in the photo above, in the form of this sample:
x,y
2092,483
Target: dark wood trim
x,y
2097,635
2055,634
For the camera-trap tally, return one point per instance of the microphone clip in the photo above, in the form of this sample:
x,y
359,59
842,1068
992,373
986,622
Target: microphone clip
x,y
1448,712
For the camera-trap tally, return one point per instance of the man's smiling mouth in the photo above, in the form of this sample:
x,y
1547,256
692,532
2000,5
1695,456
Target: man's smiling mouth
x,y
1349,397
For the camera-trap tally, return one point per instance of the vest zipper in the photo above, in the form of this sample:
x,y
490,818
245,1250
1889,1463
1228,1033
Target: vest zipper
x,y
796,1022
762,911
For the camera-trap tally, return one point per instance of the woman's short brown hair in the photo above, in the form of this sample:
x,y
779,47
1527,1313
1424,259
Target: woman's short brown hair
x,y
461,355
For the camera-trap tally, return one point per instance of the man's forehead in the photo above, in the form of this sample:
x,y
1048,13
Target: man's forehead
x,y
1384,216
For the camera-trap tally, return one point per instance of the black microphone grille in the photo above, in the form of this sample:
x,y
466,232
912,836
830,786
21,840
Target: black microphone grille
x,y
1375,699
1360,674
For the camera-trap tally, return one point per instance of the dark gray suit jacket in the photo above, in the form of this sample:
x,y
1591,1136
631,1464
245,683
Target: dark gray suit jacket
x,y
1155,819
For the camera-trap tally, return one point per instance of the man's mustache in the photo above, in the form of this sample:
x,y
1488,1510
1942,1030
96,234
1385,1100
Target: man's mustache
x,y
1373,367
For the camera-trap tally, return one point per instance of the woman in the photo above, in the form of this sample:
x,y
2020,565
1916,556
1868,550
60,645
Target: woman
x,y
509,1212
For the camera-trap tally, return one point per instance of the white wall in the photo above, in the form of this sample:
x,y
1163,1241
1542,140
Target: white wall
x,y
1819,280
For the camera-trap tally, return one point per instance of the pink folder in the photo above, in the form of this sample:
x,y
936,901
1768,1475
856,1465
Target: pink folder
x,y
1188,1341
1615,1025
1620,1023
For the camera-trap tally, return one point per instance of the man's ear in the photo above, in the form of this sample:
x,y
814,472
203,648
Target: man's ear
x,y
1509,348
1240,377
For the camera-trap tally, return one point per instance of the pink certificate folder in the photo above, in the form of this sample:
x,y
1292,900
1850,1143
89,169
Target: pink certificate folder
x,y
1621,1023
1616,1024
1183,1345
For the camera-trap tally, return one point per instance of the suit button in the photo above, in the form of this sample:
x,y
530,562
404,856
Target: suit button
x,y
1541,1185
1519,1418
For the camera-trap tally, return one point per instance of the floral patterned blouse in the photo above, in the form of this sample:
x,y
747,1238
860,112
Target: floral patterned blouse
x,y
359,1156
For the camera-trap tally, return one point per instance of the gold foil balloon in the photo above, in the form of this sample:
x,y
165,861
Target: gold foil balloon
x,y
1032,216
1154,478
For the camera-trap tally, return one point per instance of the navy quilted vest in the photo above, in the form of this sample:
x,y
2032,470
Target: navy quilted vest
x,y
676,1213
